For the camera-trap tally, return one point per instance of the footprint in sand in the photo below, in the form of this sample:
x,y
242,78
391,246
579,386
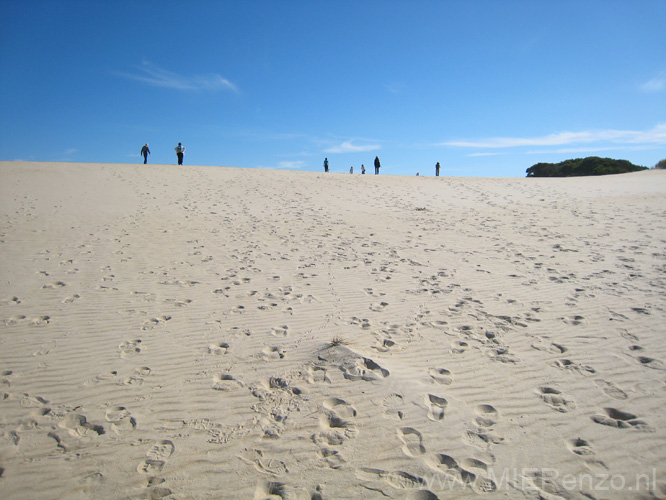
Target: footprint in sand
x,y
121,420
280,331
55,284
16,319
573,320
622,420
571,367
363,369
412,441
378,306
5,381
482,437
441,375
101,378
340,407
335,429
71,298
157,457
317,375
153,322
383,345
479,469
45,349
461,473
40,321
421,495
648,362
336,422
138,376
277,490
486,416
481,432
262,464
436,407
550,347
272,352
219,348
555,399
393,405
226,382
78,426
12,300
130,348
458,347
396,479
580,447
28,401
611,389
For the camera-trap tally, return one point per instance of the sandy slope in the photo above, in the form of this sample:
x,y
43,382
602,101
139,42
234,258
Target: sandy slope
x,y
201,332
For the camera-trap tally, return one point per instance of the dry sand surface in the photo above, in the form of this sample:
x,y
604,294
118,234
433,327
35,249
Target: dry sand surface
x,y
205,332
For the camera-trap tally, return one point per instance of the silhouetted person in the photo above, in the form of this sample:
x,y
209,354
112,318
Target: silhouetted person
x,y
377,165
437,170
351,170
180,150
145,152
325,164
363,169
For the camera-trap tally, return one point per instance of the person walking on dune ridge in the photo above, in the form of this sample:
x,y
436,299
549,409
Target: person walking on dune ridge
x,y
145,152
180,150
377,165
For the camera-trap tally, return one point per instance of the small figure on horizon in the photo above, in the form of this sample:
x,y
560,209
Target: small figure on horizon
x,y
417,174
325,164
363,169
377,165
351,170
437,170
180,149
145,152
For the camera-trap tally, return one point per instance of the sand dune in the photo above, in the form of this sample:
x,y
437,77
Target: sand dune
x,y
203,332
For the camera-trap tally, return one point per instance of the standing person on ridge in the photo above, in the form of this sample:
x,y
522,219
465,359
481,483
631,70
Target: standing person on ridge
x,y
377,165
437,170
363,169
325,164
180,149
145,152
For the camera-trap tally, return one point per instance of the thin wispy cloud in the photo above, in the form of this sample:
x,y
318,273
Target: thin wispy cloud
x,y
67,155
349,147
286,165
656,84
291,165
486,154
155,76
656,135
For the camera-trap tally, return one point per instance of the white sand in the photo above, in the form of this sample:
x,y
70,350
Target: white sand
x,y
165,333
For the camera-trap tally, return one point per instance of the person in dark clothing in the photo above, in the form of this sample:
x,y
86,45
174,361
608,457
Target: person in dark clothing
x,y
325,164
180,150
145,152
437,170
377,165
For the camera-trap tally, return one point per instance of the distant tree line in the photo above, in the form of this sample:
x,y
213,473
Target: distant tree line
x,y
661,164
592,165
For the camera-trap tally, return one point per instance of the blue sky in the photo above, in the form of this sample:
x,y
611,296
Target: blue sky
x,y
487,88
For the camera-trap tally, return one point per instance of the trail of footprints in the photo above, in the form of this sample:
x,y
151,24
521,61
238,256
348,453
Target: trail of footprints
x,y
337,425
466,472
